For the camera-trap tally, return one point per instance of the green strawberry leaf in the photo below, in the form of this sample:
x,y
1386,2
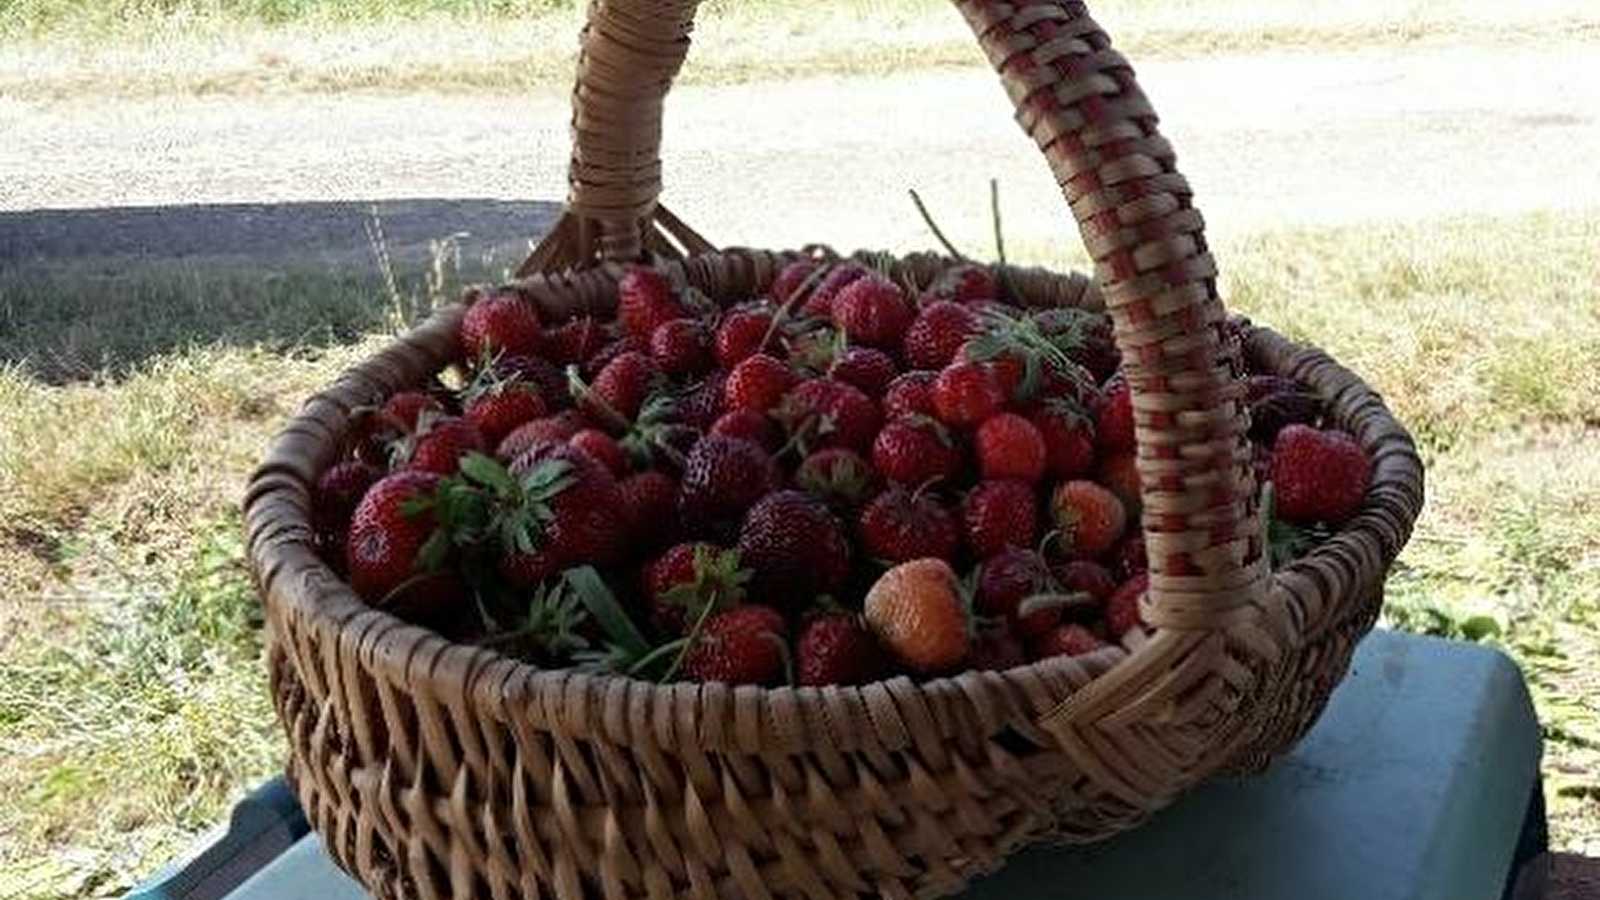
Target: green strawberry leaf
x,y
488,472
603,606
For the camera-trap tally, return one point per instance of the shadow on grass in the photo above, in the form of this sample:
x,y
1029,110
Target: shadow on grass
x,y
86,292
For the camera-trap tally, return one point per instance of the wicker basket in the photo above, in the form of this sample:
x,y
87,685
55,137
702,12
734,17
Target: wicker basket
x,y
433,769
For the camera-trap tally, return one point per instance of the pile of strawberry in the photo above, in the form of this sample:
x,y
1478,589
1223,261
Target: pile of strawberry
x,y
843,479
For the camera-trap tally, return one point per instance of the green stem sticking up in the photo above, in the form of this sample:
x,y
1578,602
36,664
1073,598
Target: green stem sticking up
x,y
933,226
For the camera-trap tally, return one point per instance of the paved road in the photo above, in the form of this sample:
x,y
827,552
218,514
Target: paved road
x,y
1266,139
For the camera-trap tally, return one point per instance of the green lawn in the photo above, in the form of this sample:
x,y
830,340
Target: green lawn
x,y
132,706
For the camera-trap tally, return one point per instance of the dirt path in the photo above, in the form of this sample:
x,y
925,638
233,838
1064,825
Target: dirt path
x,y
1266,139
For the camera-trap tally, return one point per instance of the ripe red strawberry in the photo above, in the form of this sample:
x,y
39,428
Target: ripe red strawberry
x,y
914,451
1318,476
996,651
1120,475
795,549
407,408
648,507
722,477
1090,518
644,302
1067,640
441,442
836,649
937,334
500,409
1010,447
620,389
899,526
742,334
1082,576
1009,576
568,510
966,283
1000,513
500,323
556,429
758,384
603,357
910,394
1128,558
743,645
683,581
915,610
966,393
838,477
704,403
868,369
539,374
1114,421
333,501
1122,610
828,413
603,449
819,304
1008,360
1085,336
388,532
746,425
575,341
873,312
682,347
790,279
1068,434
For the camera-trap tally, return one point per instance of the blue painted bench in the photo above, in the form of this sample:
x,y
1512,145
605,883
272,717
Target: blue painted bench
x,y
1420,781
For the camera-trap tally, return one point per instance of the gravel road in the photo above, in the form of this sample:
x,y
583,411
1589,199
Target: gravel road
x,y
1287,137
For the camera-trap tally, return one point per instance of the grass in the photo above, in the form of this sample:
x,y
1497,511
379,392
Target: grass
x,y
67,49
132,703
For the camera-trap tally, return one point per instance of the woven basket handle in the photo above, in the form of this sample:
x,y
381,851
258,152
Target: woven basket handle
x,y
1078,99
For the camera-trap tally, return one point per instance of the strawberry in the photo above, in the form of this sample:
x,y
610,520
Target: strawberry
x,y
899,526
1120,474
1068,434
541,375
1128,558
966,283
575,342
1009,576
819,303
644,302
407,408
794,548
1318,476
1010,447
620,389
440,443
1082,576
996,651
743,645
1000,513
647,503
910,394
742,334
338,491
827,413
915,610
500,324
1084,336
758,384
1067,640
749,426
603,449
937,334
1114,421
595,364
914,451
966,393
872,312
837,477
704,403
682,347
722,477
868,369
1122,609
836,649
683,581
500,408
1090,518
790,279
391,555
1277,402
556,429
562,510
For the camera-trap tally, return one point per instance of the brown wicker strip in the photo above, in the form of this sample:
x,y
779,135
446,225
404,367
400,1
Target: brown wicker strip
x,y
440,770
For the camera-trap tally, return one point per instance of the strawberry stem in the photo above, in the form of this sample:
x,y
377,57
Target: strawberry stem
x,y
688,642
934,227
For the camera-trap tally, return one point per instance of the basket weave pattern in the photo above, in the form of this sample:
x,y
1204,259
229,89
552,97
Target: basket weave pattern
x,y
440,770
